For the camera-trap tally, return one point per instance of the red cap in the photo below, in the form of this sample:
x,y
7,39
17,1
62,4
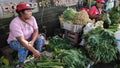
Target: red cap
x,y
101,1
23,5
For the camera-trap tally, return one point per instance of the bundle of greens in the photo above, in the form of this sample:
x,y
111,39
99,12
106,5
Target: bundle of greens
x,y
106,19
73,58
64,56
70,56
59,43
44,62
113,28
114,15
101,45
69,14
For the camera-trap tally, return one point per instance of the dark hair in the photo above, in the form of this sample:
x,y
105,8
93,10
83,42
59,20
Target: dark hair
x,y
22,11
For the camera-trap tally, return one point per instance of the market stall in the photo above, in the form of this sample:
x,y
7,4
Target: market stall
x,y
74,40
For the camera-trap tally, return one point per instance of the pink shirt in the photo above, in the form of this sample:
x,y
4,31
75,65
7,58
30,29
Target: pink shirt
x,y
19,28
94,11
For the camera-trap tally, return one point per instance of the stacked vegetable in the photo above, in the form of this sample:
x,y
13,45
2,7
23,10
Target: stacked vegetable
x,y
73,58
64,55
111,19
81,18
44,62
69,14
101,45
73,17
70,56
114,15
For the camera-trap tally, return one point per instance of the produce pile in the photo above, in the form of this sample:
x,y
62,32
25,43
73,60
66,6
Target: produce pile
x,y
44,62
73,58
69,55
73,17
59,43
111,19
101,45
81,18
114,15
65,56
69,14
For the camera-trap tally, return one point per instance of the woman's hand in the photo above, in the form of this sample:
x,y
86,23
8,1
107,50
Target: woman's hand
x,y
31,42
98,17
36,54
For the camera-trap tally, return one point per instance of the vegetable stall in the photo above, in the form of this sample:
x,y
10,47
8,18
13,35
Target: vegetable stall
x,y
83,43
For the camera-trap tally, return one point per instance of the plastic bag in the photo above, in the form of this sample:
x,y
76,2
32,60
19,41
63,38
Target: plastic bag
x,y
88,27
117,36
109,5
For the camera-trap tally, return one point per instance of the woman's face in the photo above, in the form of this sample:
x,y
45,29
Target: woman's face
x,y
27,14
100,5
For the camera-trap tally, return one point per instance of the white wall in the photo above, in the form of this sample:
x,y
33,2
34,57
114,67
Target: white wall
x,y
6,1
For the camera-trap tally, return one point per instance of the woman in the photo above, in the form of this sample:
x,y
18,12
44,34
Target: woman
x,y
95,12
23,36
85,6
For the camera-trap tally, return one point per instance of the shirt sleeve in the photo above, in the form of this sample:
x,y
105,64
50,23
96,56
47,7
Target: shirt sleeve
x,y
16,29
35,26
91,10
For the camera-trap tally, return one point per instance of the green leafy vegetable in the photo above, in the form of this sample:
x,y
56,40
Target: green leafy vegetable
x,y
101,45
73,58
69,14
58,42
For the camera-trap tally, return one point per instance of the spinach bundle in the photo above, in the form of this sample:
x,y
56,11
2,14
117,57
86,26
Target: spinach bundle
x,y
101,45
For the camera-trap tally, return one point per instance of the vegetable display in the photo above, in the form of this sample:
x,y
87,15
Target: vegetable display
x,y
81,18
101,45
58,42
73,58
114,15
64,56
69,14
44,62
69,55
99,24
73,17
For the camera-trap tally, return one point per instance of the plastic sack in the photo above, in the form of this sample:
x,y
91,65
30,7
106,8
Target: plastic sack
x,y
42,36
117,36
109,5
88,27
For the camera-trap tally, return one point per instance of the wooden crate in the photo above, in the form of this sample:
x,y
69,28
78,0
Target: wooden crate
x,y
72,37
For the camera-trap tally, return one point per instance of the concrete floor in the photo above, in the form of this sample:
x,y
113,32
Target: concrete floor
x,y
107,65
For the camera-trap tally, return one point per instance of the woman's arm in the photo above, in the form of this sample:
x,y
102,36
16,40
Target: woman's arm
x,y
25,44
34,35
96,17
